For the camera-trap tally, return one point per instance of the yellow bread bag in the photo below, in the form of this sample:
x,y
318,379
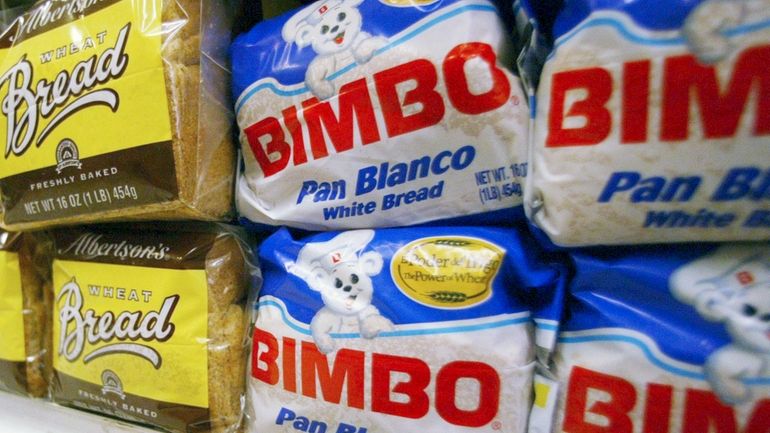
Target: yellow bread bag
x,y
115,110
25,279
149,325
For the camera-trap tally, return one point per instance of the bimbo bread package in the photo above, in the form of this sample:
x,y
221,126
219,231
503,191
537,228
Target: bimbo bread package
x,y
392,330
368,113
652,123
653,340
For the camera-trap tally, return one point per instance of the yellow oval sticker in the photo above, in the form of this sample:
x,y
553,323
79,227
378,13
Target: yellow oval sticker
x,y
449,272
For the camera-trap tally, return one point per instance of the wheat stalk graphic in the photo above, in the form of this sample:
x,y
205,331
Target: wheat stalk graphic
x,y
453,297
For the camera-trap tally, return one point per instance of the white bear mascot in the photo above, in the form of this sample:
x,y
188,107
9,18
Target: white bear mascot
x,y
342,276
705,28
333,29
732,286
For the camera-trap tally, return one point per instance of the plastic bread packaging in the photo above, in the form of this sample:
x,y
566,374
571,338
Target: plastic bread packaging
x,y
531,31
368,113
672,340
651,124
149,324
9,13
25,300
390,330
116,110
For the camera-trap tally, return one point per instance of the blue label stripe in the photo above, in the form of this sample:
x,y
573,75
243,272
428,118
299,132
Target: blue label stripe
x,y
305,330
546,326
414,33
643,40
532,106
652,357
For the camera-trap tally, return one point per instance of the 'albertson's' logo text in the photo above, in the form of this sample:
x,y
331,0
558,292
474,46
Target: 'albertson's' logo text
x,y
50,12
91,245
25,103
79,327
420,107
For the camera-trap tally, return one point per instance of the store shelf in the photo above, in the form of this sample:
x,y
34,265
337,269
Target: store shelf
x,y
22,415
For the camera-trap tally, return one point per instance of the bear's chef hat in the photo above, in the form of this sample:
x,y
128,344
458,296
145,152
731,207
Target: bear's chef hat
x,y
729,268
300,27
341,250
748,272
316,13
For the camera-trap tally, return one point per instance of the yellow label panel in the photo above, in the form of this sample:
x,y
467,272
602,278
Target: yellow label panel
x,y
541,394
11,309
83,87
447,272
133,330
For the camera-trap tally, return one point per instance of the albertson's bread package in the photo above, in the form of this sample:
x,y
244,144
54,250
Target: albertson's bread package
x,y
25,301
652,123
148,324
393,330
115,109
369,113
662,341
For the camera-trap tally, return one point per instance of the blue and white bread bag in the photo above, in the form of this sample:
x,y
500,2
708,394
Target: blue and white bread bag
x,y
663,341
372,113
431,330
653,123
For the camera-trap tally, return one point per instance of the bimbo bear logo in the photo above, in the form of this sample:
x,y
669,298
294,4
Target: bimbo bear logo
x,y
342,276
705,27
732,286
333,29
